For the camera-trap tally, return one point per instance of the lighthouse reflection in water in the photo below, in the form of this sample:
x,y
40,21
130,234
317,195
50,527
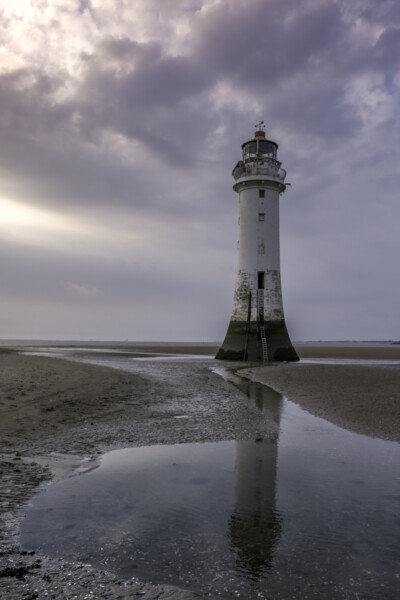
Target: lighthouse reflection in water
x,y
255,525
256,519
199,515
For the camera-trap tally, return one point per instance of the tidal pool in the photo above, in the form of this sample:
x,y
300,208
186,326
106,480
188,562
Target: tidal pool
x,y
313,514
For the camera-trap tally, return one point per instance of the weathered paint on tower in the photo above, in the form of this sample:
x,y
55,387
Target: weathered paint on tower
x,y
257,329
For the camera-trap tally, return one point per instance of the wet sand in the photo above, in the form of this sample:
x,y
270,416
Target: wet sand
x,y
349,351
363,399
57,417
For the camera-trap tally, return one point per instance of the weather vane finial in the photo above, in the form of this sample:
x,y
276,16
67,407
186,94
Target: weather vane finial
x,y
260,126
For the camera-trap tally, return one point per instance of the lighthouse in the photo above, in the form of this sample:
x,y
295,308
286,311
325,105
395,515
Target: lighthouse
x,y
257,329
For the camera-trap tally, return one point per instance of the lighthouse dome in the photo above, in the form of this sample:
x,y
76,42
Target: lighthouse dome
x,y
258,149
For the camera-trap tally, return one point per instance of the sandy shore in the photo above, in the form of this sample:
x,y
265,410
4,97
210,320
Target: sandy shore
x,y
362,399
349,351
57,417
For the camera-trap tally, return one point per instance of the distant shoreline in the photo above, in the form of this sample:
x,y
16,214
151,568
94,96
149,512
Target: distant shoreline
x,y
356,350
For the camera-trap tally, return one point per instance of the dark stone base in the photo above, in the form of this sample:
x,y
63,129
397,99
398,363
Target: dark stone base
x,y
243,343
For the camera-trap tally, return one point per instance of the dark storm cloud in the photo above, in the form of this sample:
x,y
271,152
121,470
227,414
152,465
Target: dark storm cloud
x,y
387,50
298,57
266,41
140,92
136,88
290,63
320,110
57,144
300,47
385,12
55,149
156,100
150,77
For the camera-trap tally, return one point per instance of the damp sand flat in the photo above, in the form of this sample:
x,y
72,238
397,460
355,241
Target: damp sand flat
x,y
39,414
373,351
359,397
64,413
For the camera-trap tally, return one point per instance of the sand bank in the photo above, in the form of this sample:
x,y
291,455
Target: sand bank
x,y
364,399
372,351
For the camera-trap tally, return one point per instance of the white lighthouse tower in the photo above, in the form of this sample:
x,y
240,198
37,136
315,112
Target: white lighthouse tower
x,y
257,329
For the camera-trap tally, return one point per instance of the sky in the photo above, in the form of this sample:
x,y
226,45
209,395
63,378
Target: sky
x,y
120,124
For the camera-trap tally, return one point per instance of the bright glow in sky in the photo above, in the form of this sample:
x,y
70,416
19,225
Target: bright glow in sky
x,y
26,223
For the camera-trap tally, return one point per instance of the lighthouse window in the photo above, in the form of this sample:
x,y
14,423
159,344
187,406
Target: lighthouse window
x,y
267,148
260,280
261,193
261,216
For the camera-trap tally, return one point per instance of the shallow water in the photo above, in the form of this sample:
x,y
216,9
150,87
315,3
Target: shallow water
x,y
313,514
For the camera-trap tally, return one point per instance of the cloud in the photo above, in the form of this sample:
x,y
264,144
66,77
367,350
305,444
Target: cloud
x,y
387,49
81,290
380,12
143,102
119,127
262,44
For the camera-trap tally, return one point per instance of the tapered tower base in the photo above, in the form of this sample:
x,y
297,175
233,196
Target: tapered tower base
x,y
244,342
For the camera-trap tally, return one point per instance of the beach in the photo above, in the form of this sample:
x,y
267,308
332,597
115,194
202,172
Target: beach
x,y
362,398
57,417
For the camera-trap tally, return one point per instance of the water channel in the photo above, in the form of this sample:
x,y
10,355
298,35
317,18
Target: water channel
x,y
313,514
